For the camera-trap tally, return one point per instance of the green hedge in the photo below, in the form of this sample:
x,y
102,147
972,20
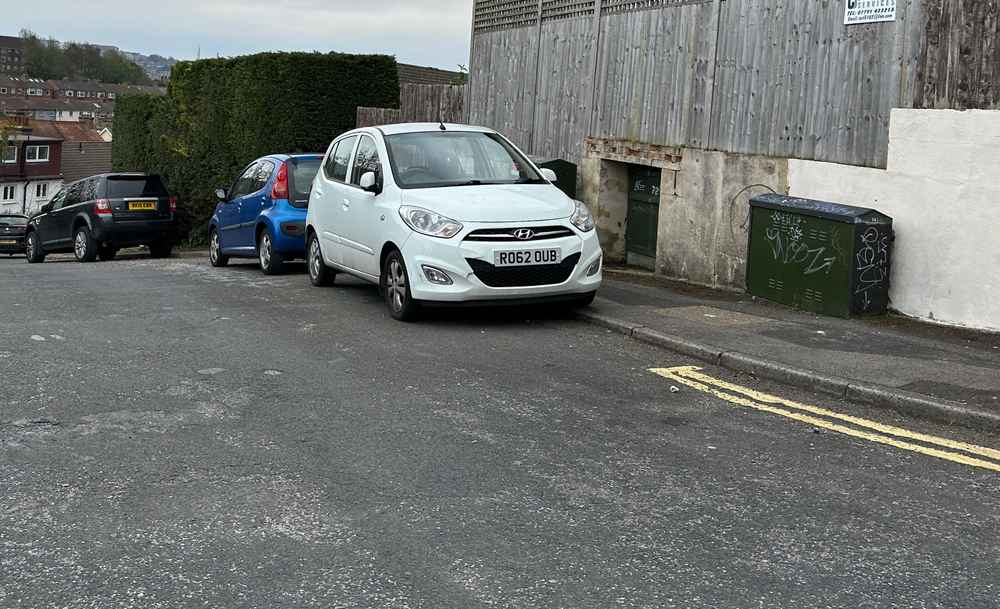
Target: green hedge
x,y
220,114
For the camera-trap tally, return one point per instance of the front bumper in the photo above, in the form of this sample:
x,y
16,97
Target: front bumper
x,y
580,253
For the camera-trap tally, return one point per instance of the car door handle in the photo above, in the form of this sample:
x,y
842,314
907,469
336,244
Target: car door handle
x,y
347,204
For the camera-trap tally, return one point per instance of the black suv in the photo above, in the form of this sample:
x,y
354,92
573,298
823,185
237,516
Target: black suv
x,y
97,216
12,227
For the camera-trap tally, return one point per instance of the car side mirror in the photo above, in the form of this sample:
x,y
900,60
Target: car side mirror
x,y
549,175
369,183
221,194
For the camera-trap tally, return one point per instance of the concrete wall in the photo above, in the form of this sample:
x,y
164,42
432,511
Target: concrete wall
x,y
704,215
942,187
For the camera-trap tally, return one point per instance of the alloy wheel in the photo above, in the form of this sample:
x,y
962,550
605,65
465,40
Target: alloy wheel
x,y
265,251
213,249
80,245
396,285
315,259
29,247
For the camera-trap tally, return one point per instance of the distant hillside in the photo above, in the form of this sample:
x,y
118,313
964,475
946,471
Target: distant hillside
x,y
53,60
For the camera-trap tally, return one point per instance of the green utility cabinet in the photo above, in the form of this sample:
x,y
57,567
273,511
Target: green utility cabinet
x,y
821,257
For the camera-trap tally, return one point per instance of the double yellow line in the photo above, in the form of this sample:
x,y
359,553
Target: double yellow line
x,y
873,431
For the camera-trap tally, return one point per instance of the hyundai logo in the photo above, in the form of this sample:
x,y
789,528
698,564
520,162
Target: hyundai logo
x,y
524,234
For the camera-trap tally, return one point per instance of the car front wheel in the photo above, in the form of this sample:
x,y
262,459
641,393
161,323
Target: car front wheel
x,y
319,274
396,288
84,247
270,261
33,249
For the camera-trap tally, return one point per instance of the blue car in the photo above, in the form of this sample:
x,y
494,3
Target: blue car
x,y
263,214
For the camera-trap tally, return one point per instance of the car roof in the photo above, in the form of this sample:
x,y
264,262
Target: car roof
x,y
287,157
425,127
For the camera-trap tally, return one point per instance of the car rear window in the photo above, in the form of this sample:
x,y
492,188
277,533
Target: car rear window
x,y
135,186
302,172
13,220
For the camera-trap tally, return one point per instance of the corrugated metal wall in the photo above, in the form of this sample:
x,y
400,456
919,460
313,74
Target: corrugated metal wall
x,y
776,77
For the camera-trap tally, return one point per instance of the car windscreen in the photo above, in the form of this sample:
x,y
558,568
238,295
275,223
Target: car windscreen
x,y
301,174
13,221
127,187
456,158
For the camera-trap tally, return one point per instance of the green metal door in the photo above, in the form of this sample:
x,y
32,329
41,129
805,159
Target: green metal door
x,y
643,210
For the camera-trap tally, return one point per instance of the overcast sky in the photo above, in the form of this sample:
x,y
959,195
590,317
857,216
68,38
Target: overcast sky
x,y
423,32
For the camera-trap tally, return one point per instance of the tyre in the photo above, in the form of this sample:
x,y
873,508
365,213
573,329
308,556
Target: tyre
x,y
84,247
160,250
33,249
395,283
319,274
271,261
215,250
107,254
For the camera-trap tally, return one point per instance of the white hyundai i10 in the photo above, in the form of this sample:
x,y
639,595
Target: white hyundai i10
x,y
447,214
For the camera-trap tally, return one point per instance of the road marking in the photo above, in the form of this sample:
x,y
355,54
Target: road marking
x,y
692,376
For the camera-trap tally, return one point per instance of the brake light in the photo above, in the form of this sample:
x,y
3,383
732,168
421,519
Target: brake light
x,y
102,207
280,189
173,204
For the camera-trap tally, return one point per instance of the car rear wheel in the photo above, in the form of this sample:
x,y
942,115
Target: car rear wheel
x,y
396,288
160,250
215,250
33,249
107,254
271,261
84,247
319,273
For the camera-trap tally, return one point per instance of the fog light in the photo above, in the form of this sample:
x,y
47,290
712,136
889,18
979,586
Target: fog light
x,y
595,268
437,276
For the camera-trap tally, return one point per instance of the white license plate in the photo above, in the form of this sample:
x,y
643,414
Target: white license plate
x,y
552,255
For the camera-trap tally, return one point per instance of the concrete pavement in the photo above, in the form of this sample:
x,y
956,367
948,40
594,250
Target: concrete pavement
x,y
949,374
174,435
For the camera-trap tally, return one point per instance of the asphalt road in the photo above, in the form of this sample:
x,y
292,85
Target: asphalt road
x,y
173,435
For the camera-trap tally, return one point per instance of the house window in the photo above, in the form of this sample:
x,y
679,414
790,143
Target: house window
x,y
81,94
36,154
100,94
9,154
111,95
8,193
70,94
3,90
41,190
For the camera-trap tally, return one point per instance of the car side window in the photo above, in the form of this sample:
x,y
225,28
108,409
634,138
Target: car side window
x,y
89,190
244,183
72,196
366,160
57,201
263,174
336,166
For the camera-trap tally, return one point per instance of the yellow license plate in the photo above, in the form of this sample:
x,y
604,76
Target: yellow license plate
x,y
8,242
142,206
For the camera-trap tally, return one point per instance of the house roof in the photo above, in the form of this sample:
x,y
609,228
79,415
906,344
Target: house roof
x,y
62,103
60,131
420,75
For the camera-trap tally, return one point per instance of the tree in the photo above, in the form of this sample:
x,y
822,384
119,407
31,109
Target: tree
x,y
463,76
50,60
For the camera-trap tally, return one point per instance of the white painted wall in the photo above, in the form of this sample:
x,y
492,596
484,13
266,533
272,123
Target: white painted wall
x,y
942,188
33,201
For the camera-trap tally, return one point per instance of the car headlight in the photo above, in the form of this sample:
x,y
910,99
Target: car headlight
x,y
581,218
429,223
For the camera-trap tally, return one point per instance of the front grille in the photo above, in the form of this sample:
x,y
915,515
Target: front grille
x,y
539,233
523,276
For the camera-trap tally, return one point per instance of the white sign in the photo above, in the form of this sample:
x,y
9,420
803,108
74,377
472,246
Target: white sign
x,y
869,11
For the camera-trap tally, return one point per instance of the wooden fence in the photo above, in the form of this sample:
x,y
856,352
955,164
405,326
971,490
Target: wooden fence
x,y
769,77
420,104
